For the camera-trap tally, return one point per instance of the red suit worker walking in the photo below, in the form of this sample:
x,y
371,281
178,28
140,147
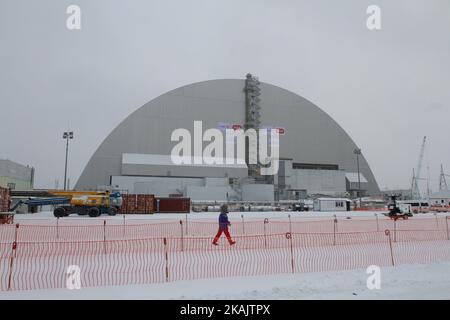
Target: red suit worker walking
x,y
223,226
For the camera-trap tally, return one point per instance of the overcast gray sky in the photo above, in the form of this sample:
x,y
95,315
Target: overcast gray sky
x,y
387,88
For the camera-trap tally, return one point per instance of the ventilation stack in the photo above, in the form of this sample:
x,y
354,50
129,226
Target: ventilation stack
x,y
252,120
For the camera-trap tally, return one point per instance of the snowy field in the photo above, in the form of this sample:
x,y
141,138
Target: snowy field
x,y
427,281
430,280
309,215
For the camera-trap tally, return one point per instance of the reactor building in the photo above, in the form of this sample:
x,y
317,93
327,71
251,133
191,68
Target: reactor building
x,y
316,156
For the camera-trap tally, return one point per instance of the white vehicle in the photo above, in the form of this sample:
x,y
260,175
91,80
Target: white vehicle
x,y
404,207
414,206
332,204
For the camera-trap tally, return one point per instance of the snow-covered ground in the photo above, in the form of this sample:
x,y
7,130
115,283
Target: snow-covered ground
x,y
310,215
45,215
427,281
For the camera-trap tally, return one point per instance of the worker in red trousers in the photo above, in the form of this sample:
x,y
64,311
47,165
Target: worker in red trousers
x,y
223,226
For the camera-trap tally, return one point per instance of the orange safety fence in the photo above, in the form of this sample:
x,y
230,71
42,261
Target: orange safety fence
x,y
370,209
107,230
44,265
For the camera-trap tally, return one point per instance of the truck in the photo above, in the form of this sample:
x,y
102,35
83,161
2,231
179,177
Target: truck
x,y
91,203
398,209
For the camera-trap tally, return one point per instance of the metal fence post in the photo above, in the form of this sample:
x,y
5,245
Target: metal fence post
x,y
166,256
243,224
11,264
388,233
290,224
437,221
57,228
16,231
266,221
395,230
186,224
124,226
289,237
446,222
334,230
181,228
104,236
378,226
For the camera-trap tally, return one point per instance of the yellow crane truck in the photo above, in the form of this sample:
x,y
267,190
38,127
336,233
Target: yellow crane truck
x,y
92,203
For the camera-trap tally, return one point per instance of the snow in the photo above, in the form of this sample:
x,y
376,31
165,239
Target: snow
x,y
419,281
48,215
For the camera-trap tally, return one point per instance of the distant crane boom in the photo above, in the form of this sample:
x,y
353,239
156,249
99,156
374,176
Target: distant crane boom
x,y
442,182
415,192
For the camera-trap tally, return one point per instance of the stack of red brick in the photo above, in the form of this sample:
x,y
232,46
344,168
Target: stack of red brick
x,y
147,204
4,199
138,203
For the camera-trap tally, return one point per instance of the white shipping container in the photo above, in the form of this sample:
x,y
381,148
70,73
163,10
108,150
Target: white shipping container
x,y
332,204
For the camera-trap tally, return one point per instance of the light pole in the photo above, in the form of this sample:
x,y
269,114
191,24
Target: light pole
x,y
357,151
67,135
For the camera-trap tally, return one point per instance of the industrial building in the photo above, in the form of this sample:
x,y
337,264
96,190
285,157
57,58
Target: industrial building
x,y
440,198
15,176
317,157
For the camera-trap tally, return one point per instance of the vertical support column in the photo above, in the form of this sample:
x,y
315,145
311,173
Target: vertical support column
x,y
65,165
243,224
252,120
378,226
186,224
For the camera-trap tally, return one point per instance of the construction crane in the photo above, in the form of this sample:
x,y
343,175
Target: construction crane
x,y
442,182
40,202
415,192
92,203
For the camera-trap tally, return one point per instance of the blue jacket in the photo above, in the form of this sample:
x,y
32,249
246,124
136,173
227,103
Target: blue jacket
x,y
223,221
